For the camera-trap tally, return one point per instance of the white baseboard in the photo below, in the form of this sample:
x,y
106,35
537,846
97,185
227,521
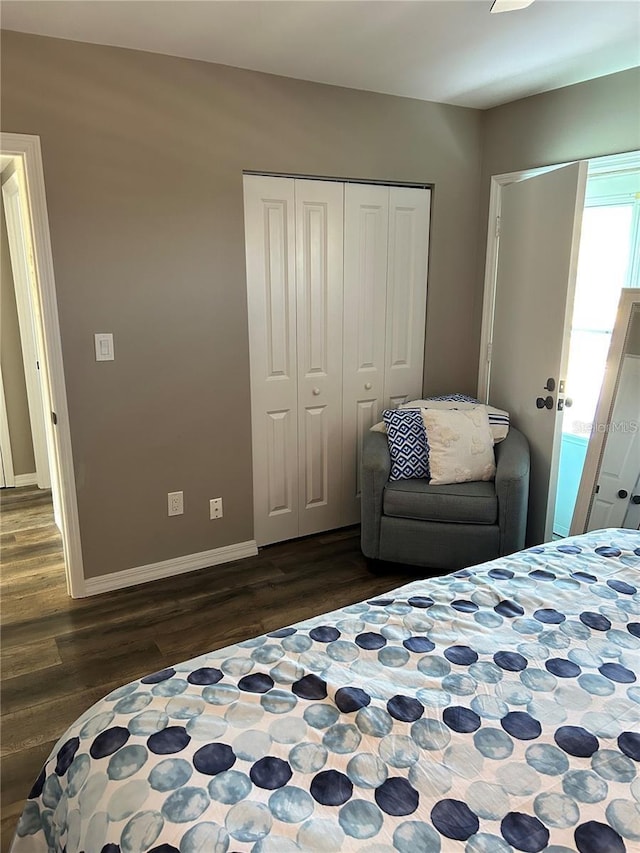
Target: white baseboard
x,y
25,479
168,568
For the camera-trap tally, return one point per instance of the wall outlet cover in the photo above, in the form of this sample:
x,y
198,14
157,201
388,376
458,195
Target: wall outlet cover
x,y
175,502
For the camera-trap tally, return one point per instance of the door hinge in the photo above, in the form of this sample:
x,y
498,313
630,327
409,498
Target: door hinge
x,y
489,350
497,226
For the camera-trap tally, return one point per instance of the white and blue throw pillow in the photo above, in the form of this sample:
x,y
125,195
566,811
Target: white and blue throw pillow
x,y
408,446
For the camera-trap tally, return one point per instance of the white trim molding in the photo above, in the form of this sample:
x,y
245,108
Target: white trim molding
x,y
169,568
27,149
25,480
7,475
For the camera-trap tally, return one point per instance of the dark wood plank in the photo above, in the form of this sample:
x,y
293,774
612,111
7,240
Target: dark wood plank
x,y
28,658
130,661
36,724
60,655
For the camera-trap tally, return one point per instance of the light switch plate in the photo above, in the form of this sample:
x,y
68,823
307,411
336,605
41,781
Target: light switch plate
x,y
104,346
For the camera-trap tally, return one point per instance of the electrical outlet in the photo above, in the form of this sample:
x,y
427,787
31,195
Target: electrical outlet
x,y
176,503
215,508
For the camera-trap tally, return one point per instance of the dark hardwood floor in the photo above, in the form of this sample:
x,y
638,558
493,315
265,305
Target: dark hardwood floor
x,y
60,655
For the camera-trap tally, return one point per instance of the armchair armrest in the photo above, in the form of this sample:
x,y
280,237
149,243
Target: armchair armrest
x,y
376,465
512,489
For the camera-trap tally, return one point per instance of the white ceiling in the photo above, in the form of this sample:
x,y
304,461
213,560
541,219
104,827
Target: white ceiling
x,y
452,51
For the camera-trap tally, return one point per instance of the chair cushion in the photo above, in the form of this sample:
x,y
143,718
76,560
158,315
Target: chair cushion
x,y
464,503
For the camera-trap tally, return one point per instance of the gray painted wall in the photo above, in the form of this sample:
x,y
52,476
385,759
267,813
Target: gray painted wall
x,y
143,158
573,123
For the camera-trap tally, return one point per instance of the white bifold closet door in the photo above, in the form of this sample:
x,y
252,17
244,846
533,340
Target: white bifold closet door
x,y
385,299
319,279
294,246
271,297
336,286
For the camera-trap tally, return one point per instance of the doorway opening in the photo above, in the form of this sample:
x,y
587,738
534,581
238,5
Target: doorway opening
x,y
531,270
29,247
608,260
24,450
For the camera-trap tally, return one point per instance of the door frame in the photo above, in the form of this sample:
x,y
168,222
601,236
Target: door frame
x,y
597,165
17,233
7,475
27,148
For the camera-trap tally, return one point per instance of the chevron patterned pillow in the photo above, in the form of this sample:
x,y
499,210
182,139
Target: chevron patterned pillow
x,y
408,446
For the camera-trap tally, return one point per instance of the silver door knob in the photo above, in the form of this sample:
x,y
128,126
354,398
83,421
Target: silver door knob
x,y
315,392
367,386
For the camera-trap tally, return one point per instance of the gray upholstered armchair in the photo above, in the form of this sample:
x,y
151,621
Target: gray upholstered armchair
x,y
444,527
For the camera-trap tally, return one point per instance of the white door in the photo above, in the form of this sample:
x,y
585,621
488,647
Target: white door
x,y
366,229
535,281
620,466
632,519
271,279
409,210
319,289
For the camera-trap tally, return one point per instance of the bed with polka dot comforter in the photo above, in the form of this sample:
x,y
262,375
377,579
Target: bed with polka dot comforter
x,y
495,709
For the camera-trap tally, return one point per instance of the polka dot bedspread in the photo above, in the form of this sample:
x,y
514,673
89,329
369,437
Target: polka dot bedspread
x,y
495,709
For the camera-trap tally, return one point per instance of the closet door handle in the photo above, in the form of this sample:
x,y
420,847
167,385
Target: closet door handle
x,y
316,392
368,386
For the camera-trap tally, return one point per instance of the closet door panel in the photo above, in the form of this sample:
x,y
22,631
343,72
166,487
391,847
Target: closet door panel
x,y
406,293
316,435
365,282
270,252
319,280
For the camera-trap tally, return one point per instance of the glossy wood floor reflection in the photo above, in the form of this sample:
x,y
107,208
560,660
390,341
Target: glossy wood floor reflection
x,y
60,655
